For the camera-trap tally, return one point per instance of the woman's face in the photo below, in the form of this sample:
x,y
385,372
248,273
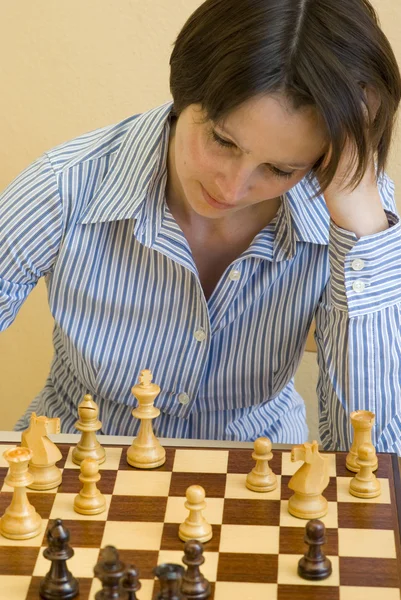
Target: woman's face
x,y
259,152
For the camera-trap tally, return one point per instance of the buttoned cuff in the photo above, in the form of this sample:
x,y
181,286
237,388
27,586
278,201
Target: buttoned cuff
x,y
365,272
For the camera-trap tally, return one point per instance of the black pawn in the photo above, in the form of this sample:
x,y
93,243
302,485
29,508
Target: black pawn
x,y
110,571
314,565
130,583
170,577
59,582
194,585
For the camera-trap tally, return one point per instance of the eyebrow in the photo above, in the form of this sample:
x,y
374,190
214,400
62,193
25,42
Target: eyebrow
x,y
291,166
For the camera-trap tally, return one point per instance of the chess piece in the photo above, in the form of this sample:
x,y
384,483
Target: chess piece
x,y
130,583
194,585
110,570
314,565
365,483
308,483
88,446
146,451
362,422
195,526
262,478
169,576
59,582
45,452
89,501
20,520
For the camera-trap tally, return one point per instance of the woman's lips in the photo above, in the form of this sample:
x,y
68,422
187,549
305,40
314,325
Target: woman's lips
x,y
213,202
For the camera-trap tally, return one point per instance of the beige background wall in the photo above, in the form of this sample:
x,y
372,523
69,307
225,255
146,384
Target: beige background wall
x,y
70,67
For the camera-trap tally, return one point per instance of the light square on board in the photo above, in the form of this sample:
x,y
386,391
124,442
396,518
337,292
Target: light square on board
x,y
81,564
209,567
289,468
249,539
227,590
177,513
343,494
14,587
367,543
287,520
201,461
236,488
113,455
63,508
145,593
126,535
142,483
31,542
368,593
288,566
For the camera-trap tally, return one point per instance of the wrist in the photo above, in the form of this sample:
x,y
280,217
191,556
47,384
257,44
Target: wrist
x,y
360,212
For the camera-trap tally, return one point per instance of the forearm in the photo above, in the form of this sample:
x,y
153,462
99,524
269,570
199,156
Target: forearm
x,y
358,336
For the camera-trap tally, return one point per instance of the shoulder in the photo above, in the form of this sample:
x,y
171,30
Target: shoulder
x,y
91,146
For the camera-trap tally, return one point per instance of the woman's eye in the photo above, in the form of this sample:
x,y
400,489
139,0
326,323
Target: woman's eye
x,y
279,173
226,144
220,140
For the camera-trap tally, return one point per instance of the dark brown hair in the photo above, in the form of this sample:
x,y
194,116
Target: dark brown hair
x,y
319,53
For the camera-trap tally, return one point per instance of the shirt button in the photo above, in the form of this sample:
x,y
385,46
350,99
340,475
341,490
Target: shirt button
x,y
358,286
183,399
358,264
200,335
234,275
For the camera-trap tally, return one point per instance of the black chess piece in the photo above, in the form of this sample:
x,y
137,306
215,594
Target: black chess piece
x,y
110,570
59,582
314,565
170,577
130,582
194,585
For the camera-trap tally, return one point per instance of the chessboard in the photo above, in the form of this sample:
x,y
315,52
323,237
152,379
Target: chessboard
x,y
256,543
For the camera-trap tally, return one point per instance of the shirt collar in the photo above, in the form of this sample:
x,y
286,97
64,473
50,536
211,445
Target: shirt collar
x,y
140,163
309,216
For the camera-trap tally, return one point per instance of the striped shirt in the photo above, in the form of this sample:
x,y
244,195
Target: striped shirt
x,y
91,217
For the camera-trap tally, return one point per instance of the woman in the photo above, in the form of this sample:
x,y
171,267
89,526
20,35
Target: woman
x,y
201,238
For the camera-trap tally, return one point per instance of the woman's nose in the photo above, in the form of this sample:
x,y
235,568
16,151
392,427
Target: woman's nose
x,y
234,185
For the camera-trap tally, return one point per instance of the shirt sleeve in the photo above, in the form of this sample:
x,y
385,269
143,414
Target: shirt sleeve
x,y
31,228
358,333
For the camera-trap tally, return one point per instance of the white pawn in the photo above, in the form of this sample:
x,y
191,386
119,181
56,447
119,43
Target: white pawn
x,y
89,501
365,483
88,446
195,526
262,478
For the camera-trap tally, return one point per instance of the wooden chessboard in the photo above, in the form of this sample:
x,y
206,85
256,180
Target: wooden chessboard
x,y
256,543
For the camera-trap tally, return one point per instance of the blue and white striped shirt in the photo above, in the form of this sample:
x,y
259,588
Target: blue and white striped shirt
x,y
91,217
